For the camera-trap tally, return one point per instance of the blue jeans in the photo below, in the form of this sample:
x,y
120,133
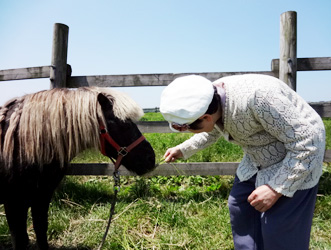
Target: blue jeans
x,y
285,226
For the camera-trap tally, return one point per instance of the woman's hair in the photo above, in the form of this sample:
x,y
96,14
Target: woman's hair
x,y
212,108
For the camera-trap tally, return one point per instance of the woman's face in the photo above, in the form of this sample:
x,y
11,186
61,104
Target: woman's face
x,y
207,124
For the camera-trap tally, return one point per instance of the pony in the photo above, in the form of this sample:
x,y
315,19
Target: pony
x,y
40,133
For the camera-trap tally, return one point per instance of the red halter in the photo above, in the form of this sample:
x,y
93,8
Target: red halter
x,y
121,151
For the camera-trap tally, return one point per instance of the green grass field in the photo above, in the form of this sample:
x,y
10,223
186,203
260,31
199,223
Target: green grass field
x,y
178,212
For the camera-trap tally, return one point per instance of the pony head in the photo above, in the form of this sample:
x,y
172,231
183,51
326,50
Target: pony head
x,y
120,115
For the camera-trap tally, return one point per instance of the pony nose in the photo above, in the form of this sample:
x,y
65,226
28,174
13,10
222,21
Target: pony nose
x,y
151,163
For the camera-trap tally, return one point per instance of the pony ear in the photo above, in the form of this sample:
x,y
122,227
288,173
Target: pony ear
x,y
106,106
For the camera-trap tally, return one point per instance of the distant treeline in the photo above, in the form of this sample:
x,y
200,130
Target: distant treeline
x,y
152,110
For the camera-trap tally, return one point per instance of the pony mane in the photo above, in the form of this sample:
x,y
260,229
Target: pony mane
x,y
124,106
58,124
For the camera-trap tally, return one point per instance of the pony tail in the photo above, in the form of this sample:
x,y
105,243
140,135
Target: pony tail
x,y
9,144
3,112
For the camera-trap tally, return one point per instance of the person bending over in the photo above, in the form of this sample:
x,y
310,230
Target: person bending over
x,y
273,196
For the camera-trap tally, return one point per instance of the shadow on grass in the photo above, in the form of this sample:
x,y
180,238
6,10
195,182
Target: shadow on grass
x,y
140,188
6,245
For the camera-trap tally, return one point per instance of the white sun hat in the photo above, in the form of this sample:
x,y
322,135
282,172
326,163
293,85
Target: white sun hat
x,y
186,99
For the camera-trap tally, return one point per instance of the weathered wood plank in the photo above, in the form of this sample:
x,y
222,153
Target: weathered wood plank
x,y
304,64
58,72
154,127
288,48
25,73
322,108
327,156
146,79
307,64
194,168
187,169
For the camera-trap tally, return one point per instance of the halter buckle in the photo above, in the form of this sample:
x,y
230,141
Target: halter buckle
x,y
123,151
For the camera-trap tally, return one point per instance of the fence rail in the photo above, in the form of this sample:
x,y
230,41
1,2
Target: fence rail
x,y
152,110
192,168
25,73
304,64
59,73
307,64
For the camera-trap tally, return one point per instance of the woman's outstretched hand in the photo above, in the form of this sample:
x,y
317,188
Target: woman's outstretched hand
x,y
172,154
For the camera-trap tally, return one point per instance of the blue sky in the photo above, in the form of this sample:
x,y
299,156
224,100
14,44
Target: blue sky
x,y
154,36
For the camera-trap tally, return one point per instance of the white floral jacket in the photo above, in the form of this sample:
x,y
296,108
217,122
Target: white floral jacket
x,y
282,137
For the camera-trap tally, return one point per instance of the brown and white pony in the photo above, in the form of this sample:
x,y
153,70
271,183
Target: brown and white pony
x,y
40,134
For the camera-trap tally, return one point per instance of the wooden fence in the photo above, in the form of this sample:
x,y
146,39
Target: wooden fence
x,y
152,110
59,73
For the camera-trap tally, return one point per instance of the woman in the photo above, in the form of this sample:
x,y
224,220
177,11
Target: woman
x,y
274,192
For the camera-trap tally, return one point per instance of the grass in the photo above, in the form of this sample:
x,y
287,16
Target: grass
x,y
178,212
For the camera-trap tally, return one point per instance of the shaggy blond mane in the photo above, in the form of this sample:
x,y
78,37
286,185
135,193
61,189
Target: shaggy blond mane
x,y
59,123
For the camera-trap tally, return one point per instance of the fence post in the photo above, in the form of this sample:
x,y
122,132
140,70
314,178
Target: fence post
x,y
58,72
288,48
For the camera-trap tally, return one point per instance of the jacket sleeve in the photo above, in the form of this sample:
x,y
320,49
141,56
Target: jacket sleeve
x,y
289,119
199,142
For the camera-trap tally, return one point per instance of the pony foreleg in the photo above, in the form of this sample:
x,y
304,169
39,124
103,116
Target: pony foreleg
x,y
16,214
